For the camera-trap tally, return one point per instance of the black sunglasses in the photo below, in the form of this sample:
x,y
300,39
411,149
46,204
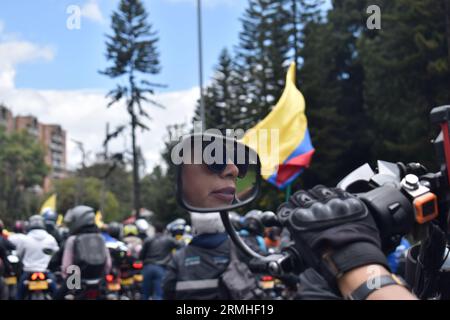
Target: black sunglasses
x,y
226,155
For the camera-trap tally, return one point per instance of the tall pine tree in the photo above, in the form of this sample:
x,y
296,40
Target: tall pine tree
x,y
221,108
133,51
262,57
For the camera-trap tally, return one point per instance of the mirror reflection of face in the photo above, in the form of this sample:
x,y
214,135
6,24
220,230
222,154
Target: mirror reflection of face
x,y
203,188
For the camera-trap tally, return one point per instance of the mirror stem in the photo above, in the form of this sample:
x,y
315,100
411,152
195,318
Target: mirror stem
x,y
235,237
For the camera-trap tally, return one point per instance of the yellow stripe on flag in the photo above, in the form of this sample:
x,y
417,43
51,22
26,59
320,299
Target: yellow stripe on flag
x,y
276,136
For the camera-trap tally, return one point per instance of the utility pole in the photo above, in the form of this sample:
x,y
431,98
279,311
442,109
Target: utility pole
x,y
79,196
105,177
200,62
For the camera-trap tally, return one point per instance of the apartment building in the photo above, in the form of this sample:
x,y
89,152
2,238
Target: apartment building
x,y
51,136
6,119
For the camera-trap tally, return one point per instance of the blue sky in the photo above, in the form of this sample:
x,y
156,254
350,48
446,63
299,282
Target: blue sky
x,y
78,54
50,71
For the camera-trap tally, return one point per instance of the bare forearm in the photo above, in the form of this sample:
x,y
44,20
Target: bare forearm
x,y
354,278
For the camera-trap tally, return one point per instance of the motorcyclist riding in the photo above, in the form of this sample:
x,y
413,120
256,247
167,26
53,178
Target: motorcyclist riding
x,y
84,248
50,218
156,254
114,229
131,239
5,247
179,230
143,227
35,253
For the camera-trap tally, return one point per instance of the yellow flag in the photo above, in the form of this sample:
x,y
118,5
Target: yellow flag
x,y
60,220
50,203
99,219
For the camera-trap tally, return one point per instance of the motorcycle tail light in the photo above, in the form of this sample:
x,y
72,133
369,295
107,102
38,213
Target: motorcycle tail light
x,y
137,265
267,278
109,278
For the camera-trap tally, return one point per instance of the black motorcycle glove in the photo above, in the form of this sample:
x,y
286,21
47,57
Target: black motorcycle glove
x,y
333,231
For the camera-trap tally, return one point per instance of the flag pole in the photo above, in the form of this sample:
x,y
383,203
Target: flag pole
x,y
288,191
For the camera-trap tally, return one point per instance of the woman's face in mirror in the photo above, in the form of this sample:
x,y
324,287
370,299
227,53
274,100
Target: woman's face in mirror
x,y
203,188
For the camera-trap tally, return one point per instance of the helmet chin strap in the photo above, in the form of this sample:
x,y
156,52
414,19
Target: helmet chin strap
x,y
203,223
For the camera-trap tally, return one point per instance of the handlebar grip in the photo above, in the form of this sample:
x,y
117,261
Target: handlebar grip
x,y
257,265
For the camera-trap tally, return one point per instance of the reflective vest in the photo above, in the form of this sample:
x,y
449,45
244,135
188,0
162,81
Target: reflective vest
x,y
199,270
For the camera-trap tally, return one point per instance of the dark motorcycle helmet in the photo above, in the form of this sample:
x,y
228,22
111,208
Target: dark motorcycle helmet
x,y
36,222
50,215
63,233
50,218
252,222
79,218
115,230
236,220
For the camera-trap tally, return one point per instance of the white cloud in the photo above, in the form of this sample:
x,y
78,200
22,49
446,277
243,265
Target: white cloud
x,y
91,10
83,114
14,52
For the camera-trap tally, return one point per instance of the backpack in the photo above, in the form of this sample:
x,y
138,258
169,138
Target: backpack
x,y
239,281
90,255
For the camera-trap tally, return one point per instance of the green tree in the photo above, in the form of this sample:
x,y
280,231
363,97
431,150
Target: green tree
x,y
262,56
159,187
331,78
133,51
22,167
222,110
407,73
119,182
66,189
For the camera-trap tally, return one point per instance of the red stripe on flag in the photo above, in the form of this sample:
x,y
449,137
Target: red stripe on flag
x,y
287,170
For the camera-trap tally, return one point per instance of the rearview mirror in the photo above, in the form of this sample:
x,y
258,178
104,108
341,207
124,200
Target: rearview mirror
x,y
216,173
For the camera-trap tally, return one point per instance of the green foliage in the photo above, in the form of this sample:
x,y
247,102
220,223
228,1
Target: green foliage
x,y
159,188
221,107
262,57
66,189
368,92
22,167
406,67
119,182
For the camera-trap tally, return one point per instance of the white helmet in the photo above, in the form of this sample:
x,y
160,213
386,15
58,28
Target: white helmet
x,y
142,225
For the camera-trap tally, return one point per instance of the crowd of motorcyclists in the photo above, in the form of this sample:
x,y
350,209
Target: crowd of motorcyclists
x,y
83,258
80,257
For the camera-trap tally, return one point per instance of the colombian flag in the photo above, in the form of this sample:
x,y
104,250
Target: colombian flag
x,y
282,139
